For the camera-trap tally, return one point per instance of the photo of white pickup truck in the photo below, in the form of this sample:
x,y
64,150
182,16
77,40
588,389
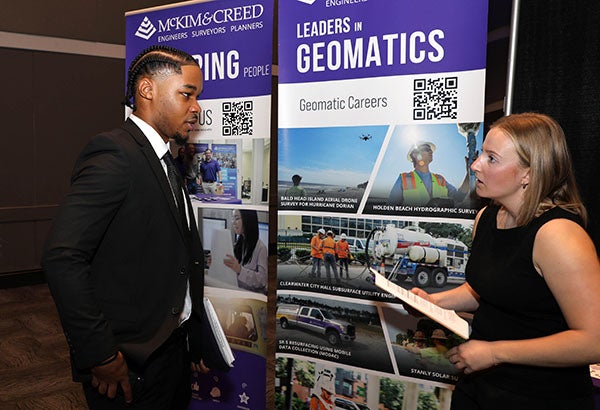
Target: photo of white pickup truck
x,y
316,320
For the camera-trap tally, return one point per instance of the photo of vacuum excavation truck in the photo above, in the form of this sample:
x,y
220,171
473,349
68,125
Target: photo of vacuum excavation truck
x,y
316,320
411,253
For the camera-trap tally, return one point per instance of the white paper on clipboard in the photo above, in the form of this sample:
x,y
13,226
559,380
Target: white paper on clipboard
x,y
445,317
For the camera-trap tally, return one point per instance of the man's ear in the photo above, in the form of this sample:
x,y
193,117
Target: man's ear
x,y
146,88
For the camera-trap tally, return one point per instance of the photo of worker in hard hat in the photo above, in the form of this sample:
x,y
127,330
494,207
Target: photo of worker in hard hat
x,y
423,187
419,345
324,390
424,170
316,253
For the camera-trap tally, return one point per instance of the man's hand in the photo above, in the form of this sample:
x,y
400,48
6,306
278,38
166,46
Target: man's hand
x,y
107,378
200,367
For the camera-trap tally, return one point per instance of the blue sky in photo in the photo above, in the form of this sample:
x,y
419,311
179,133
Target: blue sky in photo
x,y
332,155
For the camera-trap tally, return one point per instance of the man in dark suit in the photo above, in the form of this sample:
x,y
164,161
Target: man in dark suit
x,y
123,263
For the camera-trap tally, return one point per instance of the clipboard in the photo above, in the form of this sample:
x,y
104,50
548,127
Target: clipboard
x,y
446,317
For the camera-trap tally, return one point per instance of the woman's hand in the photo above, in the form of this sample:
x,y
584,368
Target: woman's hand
x,y
472,356
421,293
231,262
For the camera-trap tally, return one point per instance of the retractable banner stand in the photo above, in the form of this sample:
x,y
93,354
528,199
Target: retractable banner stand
x,y
232,41
381,106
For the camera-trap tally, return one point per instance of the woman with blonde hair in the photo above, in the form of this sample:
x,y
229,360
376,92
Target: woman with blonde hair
x,y
533,278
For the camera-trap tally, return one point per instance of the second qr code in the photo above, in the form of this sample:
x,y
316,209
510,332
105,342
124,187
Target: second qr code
x,y
435,98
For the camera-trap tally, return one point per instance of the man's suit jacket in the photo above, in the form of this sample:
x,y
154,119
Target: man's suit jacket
x,y
118,258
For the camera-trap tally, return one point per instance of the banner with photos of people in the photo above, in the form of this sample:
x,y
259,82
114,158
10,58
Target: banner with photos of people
x,y
225,165
380,108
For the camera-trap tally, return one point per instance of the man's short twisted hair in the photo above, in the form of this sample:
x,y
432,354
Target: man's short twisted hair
x,y
151,61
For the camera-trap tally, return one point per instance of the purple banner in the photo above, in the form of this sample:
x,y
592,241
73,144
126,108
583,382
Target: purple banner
x,y
321,40
227,37
380,109
232,42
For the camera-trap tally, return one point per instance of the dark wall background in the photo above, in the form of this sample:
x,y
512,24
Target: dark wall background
x,y
90,20
47,112
51,104
54,102
557,72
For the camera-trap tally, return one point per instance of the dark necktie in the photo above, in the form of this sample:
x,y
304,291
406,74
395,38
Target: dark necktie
x,y
176,186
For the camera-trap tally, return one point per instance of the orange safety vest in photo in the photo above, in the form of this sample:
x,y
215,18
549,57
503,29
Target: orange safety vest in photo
x,y
329,245
317,403
414,191
342,249
316,244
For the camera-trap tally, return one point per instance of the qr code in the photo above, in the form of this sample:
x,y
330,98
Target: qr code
x,y
435,98
238,118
